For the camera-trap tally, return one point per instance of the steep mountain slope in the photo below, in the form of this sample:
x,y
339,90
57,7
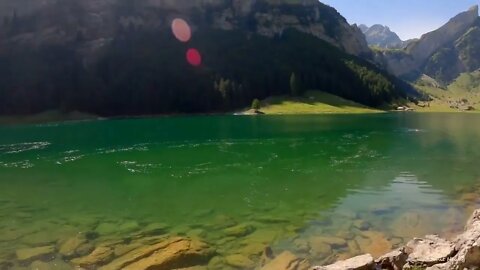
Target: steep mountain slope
x,y
381,36
119,56
442,54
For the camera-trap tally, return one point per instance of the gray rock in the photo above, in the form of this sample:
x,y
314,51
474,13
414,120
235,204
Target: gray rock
x,y
468,246
363,262
428,251
395,260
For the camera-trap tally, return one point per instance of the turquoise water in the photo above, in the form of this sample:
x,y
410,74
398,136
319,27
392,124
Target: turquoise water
x,y
291,179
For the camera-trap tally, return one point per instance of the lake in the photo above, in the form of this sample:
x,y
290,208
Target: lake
x,y
324,187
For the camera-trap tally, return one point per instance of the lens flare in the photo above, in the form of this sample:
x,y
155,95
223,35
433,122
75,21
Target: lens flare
x,y
194,58
181,30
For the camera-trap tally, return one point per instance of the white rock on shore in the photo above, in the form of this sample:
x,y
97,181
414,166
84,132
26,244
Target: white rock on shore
x,y
430,252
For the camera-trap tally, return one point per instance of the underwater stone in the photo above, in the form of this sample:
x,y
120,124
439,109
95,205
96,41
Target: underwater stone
x,y
239,230
239,261
287,261
67,248
53,265
99,256
155,229
177,251
38,253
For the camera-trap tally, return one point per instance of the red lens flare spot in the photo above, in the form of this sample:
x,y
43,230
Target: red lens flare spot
x,y
194,58
181,30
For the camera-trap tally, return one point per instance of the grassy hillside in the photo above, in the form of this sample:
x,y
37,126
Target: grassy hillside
x,y
313,102
463,92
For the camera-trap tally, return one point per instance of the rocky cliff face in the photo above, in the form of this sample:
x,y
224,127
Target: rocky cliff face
x,y
442,54
381,36
49,21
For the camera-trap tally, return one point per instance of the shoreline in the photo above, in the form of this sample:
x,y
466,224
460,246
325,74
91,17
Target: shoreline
x,y
38,119
430,253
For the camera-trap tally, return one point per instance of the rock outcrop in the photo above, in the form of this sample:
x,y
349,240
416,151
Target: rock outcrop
x,y
430,252
99,20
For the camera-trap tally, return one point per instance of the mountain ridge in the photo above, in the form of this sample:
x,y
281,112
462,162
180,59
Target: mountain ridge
x,y
429,54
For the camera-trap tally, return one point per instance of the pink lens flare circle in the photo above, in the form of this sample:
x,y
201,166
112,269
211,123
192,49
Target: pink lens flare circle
x,y
194,57
181,30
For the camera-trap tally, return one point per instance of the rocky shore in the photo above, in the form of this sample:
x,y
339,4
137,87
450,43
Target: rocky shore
x,y
430,252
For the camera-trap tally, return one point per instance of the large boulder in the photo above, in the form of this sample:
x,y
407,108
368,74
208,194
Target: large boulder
x,y
428,251
468,247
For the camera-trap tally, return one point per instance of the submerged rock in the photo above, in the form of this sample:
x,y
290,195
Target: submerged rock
x,y
155,229
169,254
335,242
361,225
376,245
39,238
99,256
38,253
411,224
108,228
363,262
239,261
68,248
287,261
239,230
53,265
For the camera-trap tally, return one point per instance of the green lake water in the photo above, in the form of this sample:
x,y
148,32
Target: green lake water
x,y
291,179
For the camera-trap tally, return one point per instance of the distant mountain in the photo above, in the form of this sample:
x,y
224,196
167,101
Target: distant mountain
x,y
114,57
442,54
381,36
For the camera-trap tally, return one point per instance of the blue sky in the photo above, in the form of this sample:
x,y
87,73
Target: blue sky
x,y
408,18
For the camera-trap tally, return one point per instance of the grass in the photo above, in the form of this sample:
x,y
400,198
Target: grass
x,y
313,102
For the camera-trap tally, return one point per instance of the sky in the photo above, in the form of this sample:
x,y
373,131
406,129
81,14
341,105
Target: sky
x,y
408,18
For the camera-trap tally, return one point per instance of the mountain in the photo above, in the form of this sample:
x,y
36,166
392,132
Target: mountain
x,y
381,36
442,54
119,57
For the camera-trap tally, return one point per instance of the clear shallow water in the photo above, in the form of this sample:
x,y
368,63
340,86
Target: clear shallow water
x,y
375,180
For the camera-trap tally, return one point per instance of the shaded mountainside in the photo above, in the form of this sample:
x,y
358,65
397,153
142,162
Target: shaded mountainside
x,y
381,36
442,54
114,57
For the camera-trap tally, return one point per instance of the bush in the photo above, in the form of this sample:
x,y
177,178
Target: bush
x,y
256,105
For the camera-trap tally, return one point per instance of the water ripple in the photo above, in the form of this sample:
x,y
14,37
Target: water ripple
x,y
22,147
